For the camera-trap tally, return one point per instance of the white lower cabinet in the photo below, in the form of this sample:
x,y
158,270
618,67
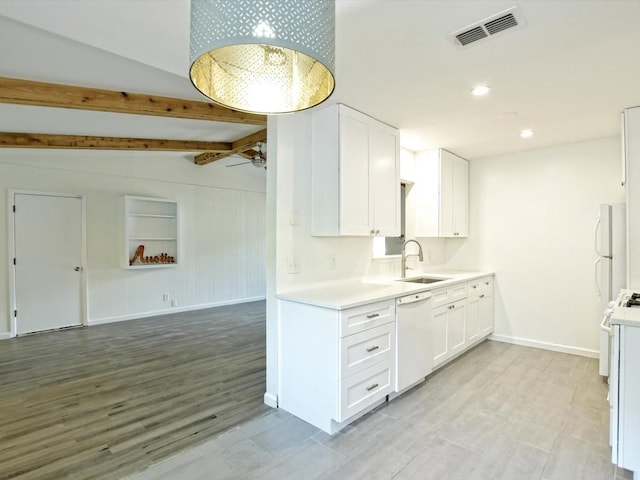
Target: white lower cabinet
x,y
462,317
366,348
448,331
479,322
334,365
364,388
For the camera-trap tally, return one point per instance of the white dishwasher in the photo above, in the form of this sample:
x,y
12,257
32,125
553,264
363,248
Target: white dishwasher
x,y
414,356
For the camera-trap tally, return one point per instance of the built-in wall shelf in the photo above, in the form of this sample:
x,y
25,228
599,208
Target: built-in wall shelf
x,y
151,232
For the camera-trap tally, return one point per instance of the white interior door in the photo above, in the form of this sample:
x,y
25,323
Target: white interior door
x,y
48,262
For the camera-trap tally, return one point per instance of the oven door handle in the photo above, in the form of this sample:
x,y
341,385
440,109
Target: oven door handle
x,y
605,325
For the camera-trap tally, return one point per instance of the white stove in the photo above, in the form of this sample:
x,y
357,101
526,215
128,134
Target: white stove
x,y
626,308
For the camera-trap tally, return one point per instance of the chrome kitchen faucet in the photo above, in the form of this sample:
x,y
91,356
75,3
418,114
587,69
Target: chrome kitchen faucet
x,y
403,274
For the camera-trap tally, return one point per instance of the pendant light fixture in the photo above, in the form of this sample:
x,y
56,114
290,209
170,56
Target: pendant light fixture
x,y
263,56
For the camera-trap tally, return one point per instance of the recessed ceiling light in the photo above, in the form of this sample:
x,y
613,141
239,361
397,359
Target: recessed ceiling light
x,y
526,133
481,90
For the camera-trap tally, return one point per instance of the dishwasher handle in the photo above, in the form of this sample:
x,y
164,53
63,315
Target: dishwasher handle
x,y
416,297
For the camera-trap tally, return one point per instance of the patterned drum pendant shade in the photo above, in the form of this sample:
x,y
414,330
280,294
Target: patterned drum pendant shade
x,y
263,56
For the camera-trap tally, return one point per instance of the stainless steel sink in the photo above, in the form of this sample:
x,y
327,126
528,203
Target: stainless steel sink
x,y
424,280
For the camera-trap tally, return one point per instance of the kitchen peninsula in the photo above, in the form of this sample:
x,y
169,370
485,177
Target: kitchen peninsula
x,y
340,342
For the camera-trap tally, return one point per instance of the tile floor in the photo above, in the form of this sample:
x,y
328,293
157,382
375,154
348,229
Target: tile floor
x,y
499,412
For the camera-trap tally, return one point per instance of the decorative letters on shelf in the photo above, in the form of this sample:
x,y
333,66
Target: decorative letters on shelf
x,y
139,255
151,233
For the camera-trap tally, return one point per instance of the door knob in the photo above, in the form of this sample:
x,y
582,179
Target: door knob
x,y
78,269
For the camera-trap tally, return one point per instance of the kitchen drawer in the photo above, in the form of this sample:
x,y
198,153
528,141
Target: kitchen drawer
x,y
358,319
364,349
480,285
365,388
442,296
486,285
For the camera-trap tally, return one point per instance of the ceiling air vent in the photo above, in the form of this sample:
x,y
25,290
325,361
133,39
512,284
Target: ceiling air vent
x,y
510,19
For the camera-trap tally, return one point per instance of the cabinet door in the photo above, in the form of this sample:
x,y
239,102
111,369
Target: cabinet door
x,y
460,189
486,306
485,314
456,339
473,317
356,216
384,174
446,194
439,334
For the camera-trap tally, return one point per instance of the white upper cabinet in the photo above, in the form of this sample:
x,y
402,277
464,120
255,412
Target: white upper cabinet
x,y
631,177
355,174
442,194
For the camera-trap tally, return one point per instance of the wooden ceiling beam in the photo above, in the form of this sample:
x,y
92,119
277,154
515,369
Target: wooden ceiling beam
x,y
248,154
40,140
27,92
240,145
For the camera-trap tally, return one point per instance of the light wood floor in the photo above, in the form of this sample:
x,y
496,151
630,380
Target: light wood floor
x,y
106,401
500,412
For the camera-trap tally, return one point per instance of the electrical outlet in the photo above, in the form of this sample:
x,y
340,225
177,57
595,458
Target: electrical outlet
x,y
174,303
292,265
165,297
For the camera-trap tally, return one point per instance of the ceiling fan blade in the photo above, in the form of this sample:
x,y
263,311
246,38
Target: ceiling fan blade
x,y
237,164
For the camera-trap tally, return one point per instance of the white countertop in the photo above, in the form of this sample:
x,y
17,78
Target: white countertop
x,y
352,293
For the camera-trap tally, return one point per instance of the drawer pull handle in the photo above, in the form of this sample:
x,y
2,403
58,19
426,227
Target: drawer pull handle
x,y
371,349
373,315
482,296
375,385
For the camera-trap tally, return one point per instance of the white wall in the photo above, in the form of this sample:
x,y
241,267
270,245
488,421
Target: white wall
x,y
532,217
222,227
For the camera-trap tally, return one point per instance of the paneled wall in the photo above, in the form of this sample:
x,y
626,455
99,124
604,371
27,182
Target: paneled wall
x,y
222,228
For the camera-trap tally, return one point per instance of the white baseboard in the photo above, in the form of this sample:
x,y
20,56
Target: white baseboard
x,y
5,335
556,347
166,311
271,400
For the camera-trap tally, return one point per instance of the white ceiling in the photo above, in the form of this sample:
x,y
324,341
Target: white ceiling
x,y
566,74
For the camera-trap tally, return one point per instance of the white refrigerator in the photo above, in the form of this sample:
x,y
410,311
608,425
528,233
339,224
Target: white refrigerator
x,y
610,265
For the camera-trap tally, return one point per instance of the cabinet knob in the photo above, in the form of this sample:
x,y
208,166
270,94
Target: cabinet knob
x,y
482,296
372,232
377,232
78,269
